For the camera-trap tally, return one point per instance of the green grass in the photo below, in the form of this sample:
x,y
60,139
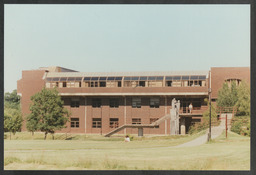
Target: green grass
x,y
148,153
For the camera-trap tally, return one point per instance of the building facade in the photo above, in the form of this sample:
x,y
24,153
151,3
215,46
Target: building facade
x,y
102,102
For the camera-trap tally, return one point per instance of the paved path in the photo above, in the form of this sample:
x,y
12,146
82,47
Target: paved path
x,y
216,131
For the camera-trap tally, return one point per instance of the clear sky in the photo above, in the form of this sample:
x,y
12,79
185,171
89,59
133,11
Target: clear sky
x,y
112,38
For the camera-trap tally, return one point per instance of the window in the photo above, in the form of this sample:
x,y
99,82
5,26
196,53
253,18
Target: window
x,y
96,103
64,84
114,103
96,122
152,120
154,103
74,123
119,84
136,102
113,123
142,83
136,121
74,103
168,83
102,84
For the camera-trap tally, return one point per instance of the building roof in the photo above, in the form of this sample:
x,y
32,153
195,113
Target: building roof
x,y
109,74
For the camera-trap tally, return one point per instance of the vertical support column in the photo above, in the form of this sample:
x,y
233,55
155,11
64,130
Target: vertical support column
x,y
174,123
165,111
85,112
183,127
140,132
125,114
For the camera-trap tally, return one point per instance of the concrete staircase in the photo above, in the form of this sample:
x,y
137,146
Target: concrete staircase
x,y
153,125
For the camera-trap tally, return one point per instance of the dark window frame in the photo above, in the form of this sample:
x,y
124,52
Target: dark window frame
x,y
96,123
74,122
113,122
136,121
136,102
96,103
154,102
114,103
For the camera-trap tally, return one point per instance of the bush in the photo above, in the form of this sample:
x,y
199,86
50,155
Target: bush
x,y
241,125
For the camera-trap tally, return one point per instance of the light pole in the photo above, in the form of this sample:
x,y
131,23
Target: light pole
x,y
210,114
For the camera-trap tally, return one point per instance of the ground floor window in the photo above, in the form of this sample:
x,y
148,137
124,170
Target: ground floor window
x,y
113,123
96,122
74,123
136,121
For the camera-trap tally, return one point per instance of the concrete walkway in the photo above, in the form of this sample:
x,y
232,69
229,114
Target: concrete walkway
x,y
216,131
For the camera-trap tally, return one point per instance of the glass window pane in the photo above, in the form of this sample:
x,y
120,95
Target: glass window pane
x,y
151,78
127,78
95,78
71,78
159,78
87,78
185,77
143,78
63,79
176,78
168,78
135,78
103,78
55,79
78,78
193,77
111,78
48,79
118,78
202,77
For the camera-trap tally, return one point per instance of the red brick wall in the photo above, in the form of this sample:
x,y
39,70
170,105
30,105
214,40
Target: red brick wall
x,y
220,74
30,83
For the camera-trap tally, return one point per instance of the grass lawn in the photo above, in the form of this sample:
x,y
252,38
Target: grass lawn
x,y
149,153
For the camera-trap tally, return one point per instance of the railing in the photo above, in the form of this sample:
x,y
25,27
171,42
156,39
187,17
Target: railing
x,y
222,110
186,110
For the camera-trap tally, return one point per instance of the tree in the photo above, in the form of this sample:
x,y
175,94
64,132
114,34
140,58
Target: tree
x,y
243,99
227,97
204,124
12,120
12,100
47,112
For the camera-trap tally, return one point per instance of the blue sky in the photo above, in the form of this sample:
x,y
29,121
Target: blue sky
x,y
112,38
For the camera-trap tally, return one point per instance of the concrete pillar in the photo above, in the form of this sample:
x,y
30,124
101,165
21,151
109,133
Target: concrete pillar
x,y
140,132
183,127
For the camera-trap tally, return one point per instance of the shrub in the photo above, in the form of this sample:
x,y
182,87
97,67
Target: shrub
x,y
241,125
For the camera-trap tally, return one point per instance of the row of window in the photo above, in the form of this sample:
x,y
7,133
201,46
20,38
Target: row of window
x,y
113,122
170,81
114,103
136,78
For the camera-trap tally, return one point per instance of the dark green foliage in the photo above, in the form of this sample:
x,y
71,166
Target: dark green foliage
x,y
47,112
243,99
12,100
12,120
227,97
235,97
241,125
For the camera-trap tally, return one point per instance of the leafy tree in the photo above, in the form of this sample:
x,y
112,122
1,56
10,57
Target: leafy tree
x,y
227,97
243,99
12,120
47,112
12,100
204,124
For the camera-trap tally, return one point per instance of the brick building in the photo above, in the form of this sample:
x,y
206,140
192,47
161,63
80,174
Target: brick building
x,y
102,102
